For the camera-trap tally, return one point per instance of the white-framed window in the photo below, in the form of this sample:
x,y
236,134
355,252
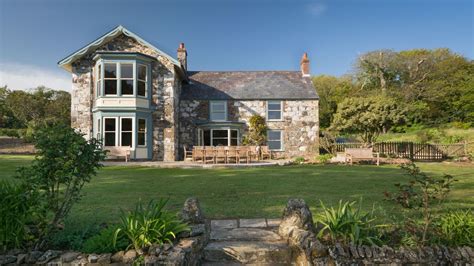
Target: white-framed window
x,y
218,137
110,79
141,132
110,131
142,73
218,111
126,78
98,83
275,139
99,129
126,131
274,110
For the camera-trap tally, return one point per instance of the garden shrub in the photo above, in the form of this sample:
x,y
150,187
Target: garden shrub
x,y
298,160
16,212
65,161
324,158
456,228
348,224
147,225
74,234
10,132
104,242
257,134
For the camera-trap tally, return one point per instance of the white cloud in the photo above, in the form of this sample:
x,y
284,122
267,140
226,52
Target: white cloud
x,y
317,9
22,77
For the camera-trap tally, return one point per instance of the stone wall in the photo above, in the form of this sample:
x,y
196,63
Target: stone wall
x,y
165,89
299,122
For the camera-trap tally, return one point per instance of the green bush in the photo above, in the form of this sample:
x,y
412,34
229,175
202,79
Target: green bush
x,y
17,210
461,125
298,160
104,242
324,158
150,224
348,224
10,132
456,228
74,234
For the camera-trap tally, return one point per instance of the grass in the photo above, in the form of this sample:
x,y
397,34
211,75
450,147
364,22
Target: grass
x,y
443,134
250,192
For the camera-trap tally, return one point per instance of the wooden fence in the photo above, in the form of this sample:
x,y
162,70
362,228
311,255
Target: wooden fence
x,y
412,150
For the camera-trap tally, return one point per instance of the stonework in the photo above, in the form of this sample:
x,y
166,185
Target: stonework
x,y
299,122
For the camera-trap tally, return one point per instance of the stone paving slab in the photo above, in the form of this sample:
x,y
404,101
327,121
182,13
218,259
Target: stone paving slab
x,y
245,234
248,252
254,223
223,224
273,222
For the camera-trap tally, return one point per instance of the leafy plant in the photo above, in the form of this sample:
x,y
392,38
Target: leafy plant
x,y
348,224
299,160
65,161
74,234
257,131
150,224
421,193
16,212
104,242
456,228
324,158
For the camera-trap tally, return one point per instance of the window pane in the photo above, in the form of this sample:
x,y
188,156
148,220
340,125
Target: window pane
x,y
110,124
109,139
142,72
274,135
126,71
233,142
127,87
141,88
274,145
110,87
219,133
207,138
126,124
218,107
141,139
233,133
110,70
218,116
274,115
274,106
99,71
126,138
220,142
141,125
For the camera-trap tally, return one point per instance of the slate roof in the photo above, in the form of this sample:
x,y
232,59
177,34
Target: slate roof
x,y
248,85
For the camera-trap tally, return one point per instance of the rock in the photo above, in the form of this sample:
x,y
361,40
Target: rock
x,y
192,212
33,257
154,249
48,256
69,256
92,258
80,261
297,214
104,258
21,258
129,256
6,259
197,229
167,247
117,257
150,260
14,251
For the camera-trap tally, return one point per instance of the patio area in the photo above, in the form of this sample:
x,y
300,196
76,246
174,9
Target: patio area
x,y
191,164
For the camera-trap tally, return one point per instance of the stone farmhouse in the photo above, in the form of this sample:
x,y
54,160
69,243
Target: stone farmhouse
x,y
128,92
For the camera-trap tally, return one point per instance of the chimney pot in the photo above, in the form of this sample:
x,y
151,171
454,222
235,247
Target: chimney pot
x,y
183,56
304,64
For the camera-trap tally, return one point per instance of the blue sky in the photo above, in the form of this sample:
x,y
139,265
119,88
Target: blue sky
x,y
228,34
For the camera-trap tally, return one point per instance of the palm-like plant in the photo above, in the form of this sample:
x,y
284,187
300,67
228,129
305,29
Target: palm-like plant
x,y
348,224
151,224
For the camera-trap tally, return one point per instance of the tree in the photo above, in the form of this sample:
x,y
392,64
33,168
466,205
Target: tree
x,y
367,117
257,131
65,161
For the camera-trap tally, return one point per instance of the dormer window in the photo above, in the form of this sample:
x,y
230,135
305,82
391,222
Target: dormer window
x,y
122,75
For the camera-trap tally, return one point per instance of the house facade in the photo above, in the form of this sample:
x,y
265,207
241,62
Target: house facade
x,y
128,92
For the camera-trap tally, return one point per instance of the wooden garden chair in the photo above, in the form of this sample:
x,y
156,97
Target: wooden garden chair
x,y
188,153
209,154
221,154
243,154
232,154
361,154
265,152
198,154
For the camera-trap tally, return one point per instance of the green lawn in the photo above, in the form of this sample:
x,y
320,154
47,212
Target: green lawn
x,y
251,192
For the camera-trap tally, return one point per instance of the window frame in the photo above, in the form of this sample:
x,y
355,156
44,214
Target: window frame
x,y
211,103
201,133
274,110
105,131
140,132
132,144
282,147
120,78
117,78
137,79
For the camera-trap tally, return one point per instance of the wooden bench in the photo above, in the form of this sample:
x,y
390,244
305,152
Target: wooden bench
x,y
122,151
361,154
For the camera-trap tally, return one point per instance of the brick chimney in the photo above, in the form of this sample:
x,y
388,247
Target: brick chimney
x,y
305,65
183,56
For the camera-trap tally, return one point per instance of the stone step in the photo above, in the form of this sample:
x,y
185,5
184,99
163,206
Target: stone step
x,y
246,252
244,234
